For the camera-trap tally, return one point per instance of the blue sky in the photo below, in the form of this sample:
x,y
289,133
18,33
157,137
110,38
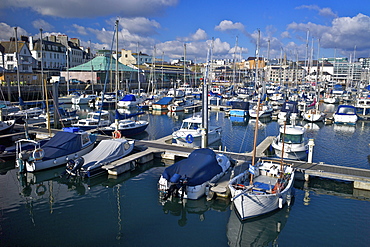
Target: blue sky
x,y
334,28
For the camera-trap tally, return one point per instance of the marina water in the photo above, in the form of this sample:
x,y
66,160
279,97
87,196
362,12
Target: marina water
x,y
45,209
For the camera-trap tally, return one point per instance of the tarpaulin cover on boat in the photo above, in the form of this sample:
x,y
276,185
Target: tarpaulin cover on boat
x,y
164,101
290,106
199,167
129,97
62,143
107,151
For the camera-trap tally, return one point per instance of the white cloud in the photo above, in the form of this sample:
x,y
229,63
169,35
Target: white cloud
x,y
7,31
200,34
80,29
344,33
322,11
39,23
93,8
285,34
140,25
227,25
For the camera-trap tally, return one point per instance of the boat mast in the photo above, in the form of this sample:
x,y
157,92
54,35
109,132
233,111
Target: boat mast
x,y
116,77
138,68
257,114
17,58
282,151
184,63
204,143
255,136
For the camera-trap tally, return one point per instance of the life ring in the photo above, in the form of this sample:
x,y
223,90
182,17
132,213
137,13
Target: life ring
x,y
38,154
41,189
116,134
189,138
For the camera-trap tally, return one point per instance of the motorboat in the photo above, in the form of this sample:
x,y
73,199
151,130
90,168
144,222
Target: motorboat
x,y
65,145
239,109
130,100
264,111
67,99
190,177
125,127
9,153
180,104
262,188
345,114
7,126
363,108
293,140
190,132
83,99
106,152
94,120
162,104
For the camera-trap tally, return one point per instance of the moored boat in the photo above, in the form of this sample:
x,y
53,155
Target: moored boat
x,y
96,119
189,178
293,140
269,189
6,127
190,133
63,146
104,153
345,114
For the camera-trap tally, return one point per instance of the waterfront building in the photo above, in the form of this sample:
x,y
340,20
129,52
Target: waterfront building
x,y
13,61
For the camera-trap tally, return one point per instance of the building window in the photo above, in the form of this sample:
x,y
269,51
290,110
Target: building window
x,y
10,58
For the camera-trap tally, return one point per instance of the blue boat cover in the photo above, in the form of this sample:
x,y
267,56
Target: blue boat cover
x,y
128,97
290,106
199,167
346,110
62,143
164,101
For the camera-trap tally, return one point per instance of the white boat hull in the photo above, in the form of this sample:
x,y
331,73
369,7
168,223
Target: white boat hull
x,y
253,203
183,138
42,165
197,191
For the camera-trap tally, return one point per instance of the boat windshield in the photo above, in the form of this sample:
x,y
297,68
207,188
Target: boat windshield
x,y
190,125
289,138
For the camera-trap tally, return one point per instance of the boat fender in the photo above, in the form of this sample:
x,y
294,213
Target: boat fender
x,y
116,134
189,138
40,190
280,202
38,154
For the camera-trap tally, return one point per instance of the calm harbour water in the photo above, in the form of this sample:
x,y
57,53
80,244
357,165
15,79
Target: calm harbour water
x,y
43,209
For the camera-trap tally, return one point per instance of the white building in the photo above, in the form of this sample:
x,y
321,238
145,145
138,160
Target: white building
x,y
16,55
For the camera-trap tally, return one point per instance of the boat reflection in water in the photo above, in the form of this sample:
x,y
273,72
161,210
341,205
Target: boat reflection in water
x,y
182,208
259,231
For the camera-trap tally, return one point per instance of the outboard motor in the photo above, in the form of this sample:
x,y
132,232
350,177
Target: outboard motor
x,y
77,166
174,186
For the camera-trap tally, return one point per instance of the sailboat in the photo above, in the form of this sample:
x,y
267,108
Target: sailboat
x,y
262,188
